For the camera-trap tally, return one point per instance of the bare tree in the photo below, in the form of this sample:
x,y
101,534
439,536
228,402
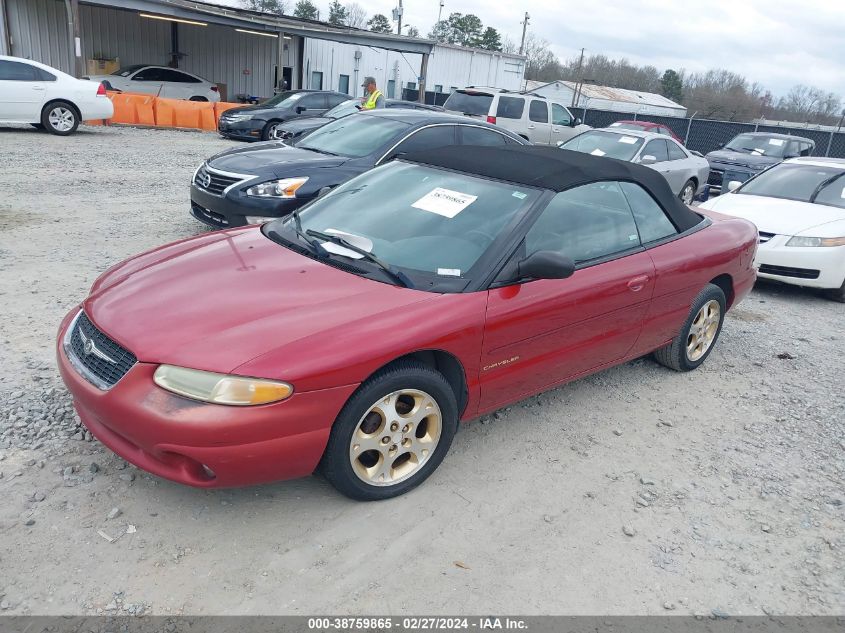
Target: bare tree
x,y
542,63
279,7
356,16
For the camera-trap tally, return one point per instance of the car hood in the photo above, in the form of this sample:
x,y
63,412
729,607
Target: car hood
x,y
305,123
273,156
258,110
775,215
731,157
216,301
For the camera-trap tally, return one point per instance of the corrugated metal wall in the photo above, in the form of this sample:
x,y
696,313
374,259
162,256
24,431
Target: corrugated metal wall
x,y
38,29
447,67
563,94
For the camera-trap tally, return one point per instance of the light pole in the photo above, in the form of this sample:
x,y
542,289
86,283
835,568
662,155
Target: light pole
x,y
440,10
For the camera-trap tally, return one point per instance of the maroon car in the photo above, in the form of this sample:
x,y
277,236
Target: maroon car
x,y
357,334
648,126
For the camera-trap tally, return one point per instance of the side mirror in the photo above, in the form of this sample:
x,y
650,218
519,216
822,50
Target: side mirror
x,y
546,265
300,109
733,185
648,159
577,122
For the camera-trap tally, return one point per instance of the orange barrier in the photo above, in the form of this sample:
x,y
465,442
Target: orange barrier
x,y
132,108
191,114
141,109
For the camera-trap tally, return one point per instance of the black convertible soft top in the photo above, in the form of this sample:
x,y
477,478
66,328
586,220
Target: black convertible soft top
x,y
555,169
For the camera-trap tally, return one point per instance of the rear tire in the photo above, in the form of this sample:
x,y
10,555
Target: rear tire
x,y
60,118
392,433
687,194
699,334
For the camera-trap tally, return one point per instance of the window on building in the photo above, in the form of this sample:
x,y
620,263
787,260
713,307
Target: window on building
x,y
343,84
411,85
438,88
316,80
391,88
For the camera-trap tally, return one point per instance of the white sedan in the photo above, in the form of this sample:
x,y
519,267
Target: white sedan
x,y
48,98
799,209
160,81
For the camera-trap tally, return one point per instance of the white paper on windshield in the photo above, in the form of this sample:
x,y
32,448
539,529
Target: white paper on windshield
x,y
444,202
843,192
520,195
776,141
628,140
597,152
449,272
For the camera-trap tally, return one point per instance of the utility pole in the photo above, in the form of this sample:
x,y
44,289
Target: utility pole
x,y
524,27
440,10
579,81
398,13
72,7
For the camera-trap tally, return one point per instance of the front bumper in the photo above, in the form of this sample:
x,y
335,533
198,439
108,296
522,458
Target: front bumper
x,y
720,175
813,267
200,444
233,208
246,130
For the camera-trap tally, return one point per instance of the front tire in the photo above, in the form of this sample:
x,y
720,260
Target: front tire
x,y
269,131
60,118
687,194
698,336
392,433
837,294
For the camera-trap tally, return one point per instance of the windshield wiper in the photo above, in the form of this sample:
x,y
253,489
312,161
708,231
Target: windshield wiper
x,y
314,149
396,275
314,244
825,183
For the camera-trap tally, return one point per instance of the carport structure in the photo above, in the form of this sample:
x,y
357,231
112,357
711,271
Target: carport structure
x,y
245,52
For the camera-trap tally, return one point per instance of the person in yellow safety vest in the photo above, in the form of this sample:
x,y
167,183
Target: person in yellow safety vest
x,y
373,97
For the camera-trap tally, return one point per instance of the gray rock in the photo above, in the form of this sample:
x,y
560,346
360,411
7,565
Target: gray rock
x,y
29,522
628,530
114,513
94,467
647,481
669,606
127,476
39,496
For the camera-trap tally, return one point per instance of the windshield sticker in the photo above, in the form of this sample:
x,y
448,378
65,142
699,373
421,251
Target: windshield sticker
x,y
449,272
444,202
633,237
597,152
776,141
843,192
628,140
520,195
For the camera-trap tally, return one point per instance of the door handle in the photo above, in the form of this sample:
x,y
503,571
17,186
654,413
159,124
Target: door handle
x,y
531,127
38,87
638,283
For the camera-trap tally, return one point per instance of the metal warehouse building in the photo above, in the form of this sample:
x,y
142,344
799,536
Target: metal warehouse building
x,y
245,52
595,97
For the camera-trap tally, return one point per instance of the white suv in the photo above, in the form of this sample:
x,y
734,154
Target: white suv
x,y
535,118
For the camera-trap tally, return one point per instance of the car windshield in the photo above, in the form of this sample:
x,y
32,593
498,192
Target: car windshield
x,y
343,109
354,136
610,144
628,126
284,99
758,145
469,102
425,221
127,70
804,183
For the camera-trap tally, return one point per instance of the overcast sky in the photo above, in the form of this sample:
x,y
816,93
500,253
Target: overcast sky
x,y
778,43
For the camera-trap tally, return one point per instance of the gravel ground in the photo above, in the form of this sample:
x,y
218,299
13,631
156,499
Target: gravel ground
x,y
635,491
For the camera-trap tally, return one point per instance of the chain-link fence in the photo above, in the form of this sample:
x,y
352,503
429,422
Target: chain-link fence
x,y
705,135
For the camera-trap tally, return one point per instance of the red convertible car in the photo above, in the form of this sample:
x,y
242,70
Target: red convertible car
x,y
354,336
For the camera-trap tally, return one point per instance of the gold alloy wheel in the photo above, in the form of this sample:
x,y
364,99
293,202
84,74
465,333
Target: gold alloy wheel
x,y
395,437
703,330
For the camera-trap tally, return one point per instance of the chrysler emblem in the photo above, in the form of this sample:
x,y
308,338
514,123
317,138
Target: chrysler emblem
x,y
91,349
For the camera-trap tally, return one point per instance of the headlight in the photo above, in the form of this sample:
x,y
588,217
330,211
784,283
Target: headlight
x,y
284,188
800,240
220,388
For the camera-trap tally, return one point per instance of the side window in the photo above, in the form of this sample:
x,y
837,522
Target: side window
x,y
43,75
428,138
651,220
177,77
313,101
585,223
16,71
510,107
656,148
538,111
471,135
150,74
675,151
805,148
560,115
335,100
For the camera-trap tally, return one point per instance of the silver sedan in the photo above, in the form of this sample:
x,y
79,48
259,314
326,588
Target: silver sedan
x,y
686,172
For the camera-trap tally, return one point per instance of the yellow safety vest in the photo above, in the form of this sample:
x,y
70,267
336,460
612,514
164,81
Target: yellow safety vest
x,y
370,103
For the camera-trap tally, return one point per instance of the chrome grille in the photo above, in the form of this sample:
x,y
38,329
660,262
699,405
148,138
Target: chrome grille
x,y
214,181
98,358
765,237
